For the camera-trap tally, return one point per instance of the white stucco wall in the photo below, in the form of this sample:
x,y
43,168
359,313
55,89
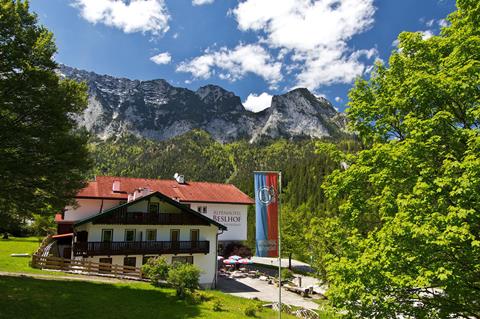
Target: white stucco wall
x,y
87,208
206,262
233,216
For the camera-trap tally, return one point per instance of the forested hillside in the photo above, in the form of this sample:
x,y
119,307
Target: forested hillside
x,y
304,165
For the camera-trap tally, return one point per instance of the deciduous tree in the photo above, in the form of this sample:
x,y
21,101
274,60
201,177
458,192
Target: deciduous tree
x,y
42,156
405,238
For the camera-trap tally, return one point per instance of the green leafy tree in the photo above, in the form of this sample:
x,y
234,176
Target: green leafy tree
x,y
403,233
43,225
42,157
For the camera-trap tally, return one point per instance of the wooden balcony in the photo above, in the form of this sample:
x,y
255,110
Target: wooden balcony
x,y
122,217
140,248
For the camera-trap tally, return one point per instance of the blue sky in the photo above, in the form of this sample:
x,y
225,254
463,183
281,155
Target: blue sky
x,y
255,48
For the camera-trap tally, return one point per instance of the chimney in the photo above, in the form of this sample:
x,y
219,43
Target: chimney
x,y
139,192
179,178
116,186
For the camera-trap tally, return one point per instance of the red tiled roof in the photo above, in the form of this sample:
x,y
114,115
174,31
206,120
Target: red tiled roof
x,y
188,192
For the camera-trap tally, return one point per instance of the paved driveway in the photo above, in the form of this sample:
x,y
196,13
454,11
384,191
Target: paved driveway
x,y
253,287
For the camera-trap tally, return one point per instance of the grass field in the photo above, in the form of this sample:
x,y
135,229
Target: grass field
x,y
25,297
18,245
38,298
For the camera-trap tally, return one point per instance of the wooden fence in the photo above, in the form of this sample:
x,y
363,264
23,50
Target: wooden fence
x,y
86,267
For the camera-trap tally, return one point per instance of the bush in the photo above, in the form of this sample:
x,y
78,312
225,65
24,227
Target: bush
x,y
197,297
217,306
184,278
156,269
287,274
250,311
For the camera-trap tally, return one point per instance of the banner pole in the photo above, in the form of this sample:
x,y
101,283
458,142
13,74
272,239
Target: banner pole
x,y
279,245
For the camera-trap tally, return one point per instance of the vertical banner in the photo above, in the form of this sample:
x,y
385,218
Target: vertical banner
x,y
266,209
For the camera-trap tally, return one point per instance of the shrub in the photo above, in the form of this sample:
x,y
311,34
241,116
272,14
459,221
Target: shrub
x,y
156,269
184,278
217,306
197,297
250,311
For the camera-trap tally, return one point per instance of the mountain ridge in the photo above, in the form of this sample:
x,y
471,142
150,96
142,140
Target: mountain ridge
x,y
157,110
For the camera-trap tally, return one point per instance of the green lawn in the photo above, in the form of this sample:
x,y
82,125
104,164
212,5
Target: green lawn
x,y
18,246
24,297
37,298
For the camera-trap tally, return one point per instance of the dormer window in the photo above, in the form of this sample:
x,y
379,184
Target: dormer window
x,y
153,208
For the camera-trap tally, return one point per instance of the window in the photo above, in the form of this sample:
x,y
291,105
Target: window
x,y
107,235
130,261
194,234
151,235
182,259
153,208
202,209
130,235
105,268
175,235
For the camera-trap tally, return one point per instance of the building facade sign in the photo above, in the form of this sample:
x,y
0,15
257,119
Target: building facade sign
x,y
233,216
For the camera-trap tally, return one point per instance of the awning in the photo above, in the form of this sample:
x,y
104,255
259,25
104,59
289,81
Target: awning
x,y
63,235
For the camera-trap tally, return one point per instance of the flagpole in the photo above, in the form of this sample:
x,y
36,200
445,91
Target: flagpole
x,y
279,245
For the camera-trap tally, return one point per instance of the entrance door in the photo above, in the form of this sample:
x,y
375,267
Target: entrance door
x,y
194,236
175,239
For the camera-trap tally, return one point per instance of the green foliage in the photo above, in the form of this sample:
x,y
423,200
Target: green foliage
x,y
287,274
156,269
217,306
401,236
184,278
43,225
43,159
250,311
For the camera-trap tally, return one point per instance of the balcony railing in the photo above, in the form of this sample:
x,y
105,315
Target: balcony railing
x,y
122,217
140,248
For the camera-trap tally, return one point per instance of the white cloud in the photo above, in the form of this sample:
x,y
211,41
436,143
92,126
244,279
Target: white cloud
x,y
201,2
395,43
332,65
235,63
316,32
161,58
257,103
427,34
338,99
430,23
442,23
129,16
305,24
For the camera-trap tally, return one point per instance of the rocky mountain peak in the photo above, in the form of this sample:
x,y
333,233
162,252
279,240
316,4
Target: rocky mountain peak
x,y
158,110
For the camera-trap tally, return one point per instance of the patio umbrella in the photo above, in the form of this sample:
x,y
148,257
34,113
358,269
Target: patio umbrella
x,y
235,257
230,261
245,261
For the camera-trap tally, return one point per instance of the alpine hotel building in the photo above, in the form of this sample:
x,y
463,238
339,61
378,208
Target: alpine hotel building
x,y
125,221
